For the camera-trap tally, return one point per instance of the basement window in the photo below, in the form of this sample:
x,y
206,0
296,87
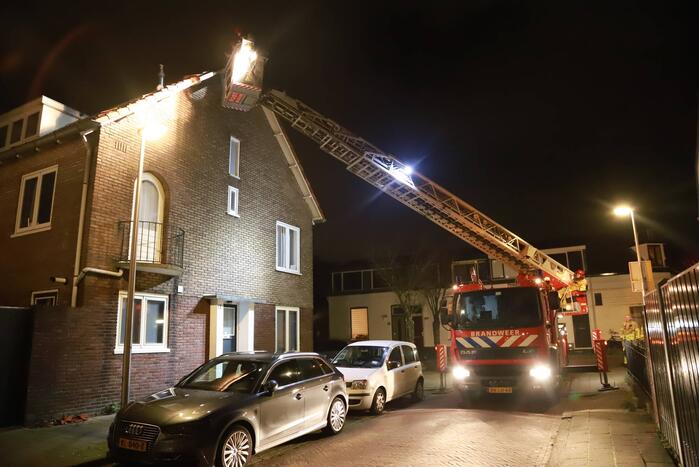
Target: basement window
x,y
233,201
35,205
44,297
150,323
288,248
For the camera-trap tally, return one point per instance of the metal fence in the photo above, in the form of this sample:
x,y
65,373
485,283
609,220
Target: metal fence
x,y
636,363
158,243
672,317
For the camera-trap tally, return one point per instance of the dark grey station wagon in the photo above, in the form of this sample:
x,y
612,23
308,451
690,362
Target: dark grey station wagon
x,y
231,407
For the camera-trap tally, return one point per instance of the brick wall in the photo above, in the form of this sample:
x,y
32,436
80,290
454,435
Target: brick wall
x,y
29,261
73,367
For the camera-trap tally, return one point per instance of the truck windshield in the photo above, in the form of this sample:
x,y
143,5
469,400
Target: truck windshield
x,y
497,309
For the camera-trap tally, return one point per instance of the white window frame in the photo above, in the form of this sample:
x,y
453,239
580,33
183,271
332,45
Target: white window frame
x,y
285,267
142,347
236,167
286,309
43,294
233,210
33,227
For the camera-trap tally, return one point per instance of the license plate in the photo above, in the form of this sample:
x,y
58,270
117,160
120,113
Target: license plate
x,y
133,444
500,390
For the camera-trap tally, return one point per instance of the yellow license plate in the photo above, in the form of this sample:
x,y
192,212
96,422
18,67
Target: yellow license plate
x,y
500,390
133,444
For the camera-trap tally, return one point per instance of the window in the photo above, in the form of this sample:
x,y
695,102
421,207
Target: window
x,y
32,125
36,200
286,373
396,357
16,134
598,299
234,158
360,323
288,248
3,135
287,329
310,368
233,201
409,354
150,315
44,297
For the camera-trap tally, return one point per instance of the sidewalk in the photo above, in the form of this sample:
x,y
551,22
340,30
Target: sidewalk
x,y
80,443
599,429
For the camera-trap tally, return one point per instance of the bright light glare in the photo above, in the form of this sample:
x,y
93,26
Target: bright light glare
x,y
623,211
540,372
153,131
402,174
243,61
408,170
460,373
537,281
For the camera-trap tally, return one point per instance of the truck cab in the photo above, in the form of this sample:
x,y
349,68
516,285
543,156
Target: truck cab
x,y
504,341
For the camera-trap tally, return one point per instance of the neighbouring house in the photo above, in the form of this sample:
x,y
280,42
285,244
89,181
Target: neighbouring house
x,y
224,256
362,306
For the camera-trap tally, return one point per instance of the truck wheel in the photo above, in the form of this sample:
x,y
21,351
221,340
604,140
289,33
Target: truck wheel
x,y
379,403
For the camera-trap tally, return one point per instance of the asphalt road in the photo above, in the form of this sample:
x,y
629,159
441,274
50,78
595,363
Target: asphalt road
x,y
437,431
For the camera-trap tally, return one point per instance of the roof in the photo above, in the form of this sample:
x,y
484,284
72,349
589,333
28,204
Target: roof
x,y
382,343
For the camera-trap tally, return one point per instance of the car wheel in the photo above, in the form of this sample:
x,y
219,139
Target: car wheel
x,y
336,417
419,392
236,448
379,403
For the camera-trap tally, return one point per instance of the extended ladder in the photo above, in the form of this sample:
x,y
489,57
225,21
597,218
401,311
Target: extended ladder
x,y
417,192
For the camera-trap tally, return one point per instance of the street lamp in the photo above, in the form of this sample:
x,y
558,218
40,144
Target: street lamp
x,y
151,129
623,211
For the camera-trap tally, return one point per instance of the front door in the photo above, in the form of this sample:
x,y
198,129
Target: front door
x,y
581,331
230,323
419,339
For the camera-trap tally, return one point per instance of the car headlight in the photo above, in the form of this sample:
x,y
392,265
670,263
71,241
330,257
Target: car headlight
x,y
360,384
460,373
540,372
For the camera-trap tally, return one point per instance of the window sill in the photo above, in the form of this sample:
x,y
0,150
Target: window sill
x,y
289,271
233,214
237,177
31,230
120,350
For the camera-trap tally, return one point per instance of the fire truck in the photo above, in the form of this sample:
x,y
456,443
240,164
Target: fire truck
x,y
503,340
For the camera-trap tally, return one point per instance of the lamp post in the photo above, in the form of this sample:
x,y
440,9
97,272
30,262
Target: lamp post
x,y
149,131
623,211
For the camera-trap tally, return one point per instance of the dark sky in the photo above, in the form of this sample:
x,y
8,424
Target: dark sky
x,y
541,114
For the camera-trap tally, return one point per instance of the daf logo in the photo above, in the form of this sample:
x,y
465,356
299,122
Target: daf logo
x,y
134,429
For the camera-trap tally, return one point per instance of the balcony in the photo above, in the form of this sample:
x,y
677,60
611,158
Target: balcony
x,y
160,247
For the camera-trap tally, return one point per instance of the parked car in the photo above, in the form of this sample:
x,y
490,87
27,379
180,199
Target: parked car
x,y
230,408
377,372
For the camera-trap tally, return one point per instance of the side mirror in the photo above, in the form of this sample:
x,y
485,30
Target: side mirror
x,y
271,386
392,365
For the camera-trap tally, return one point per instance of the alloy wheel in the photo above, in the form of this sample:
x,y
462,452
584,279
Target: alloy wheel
x,y
236,449
380,401
337,415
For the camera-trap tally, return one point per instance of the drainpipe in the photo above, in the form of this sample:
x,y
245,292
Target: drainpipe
x,y
81,218
105,272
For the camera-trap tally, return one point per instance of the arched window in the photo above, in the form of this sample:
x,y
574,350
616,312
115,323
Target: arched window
x,y
150,219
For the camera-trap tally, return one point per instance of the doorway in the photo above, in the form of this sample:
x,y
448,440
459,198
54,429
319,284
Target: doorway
x,y
230,323
399,325
581,331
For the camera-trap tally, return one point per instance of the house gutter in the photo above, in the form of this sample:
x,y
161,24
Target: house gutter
x,y
78,275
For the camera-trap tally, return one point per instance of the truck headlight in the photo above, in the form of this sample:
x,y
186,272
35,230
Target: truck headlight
x,y
540,372
360,384
460,373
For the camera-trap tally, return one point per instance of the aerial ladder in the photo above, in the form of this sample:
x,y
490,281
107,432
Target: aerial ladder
x,y
388,174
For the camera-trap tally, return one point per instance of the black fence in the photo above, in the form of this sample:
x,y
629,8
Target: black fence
x,y
636,363
672,316
158,243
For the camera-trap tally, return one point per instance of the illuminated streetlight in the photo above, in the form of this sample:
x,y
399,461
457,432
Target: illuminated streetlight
x,y
623,211
151,128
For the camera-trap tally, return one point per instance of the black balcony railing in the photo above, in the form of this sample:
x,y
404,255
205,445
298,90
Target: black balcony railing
x,y
158,243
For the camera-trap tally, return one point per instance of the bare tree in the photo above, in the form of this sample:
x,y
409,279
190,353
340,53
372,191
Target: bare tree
x,y
433,291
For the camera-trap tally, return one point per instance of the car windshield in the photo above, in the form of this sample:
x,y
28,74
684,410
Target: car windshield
x,y
492,309
360,356
226,375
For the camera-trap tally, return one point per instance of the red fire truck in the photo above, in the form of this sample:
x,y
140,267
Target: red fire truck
x,y
502,340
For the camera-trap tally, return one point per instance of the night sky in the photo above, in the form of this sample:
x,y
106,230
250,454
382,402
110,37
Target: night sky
x,y
542,115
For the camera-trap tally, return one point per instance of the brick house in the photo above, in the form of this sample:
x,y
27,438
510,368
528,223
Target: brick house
x,y
224,260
